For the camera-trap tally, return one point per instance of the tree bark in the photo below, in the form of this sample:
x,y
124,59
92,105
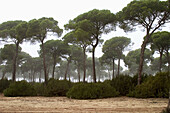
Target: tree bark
x,y
113,74
15,62
160,60
78,70
84,64
99,76
44,64
93,57
54,63
29,76
40,77
65,76
93,62
33,77
23,76
109,74
168,59
118,66
3,75
142,58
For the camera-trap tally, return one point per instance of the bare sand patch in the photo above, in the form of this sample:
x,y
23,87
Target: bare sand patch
x,y
63,104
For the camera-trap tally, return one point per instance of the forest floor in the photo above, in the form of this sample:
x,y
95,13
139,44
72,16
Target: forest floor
x,y
63,104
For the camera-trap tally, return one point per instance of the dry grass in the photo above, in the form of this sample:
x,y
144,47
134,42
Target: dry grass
x,y
63,104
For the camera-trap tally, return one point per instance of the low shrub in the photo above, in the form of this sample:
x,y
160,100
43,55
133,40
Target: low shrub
x,y
153,87
4,83
123,84
57,87
39,88
20,88
144,77
91,91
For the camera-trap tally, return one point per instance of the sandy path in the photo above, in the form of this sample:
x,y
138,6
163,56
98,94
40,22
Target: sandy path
x,y
63,104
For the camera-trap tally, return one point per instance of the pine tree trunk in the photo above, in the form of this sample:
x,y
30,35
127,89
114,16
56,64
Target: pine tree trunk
x,y
15,62
93,62
113,74
168,59
109,74
78,69
40,77
54,63
29,74
3,75
84,64
65,76
44,64
69,75
118,67
24,76
33,77
160,61
142,58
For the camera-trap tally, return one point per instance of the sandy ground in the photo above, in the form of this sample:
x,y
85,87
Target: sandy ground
x,y
63,104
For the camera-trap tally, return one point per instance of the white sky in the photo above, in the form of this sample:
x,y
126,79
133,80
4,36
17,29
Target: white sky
x,y
63,11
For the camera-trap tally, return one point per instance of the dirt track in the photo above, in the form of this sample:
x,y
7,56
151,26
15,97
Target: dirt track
x,y
63,104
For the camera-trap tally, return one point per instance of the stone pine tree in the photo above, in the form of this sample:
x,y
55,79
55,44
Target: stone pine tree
x,y
106,61
114,48
160,41
38,31
133,57
79,36
55,49
150,14
15,31
101,21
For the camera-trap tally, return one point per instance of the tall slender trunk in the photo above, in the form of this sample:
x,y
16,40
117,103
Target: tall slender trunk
x,y
54,63
84,64
33,77
15,62
69,75
44,64
24,76
168,59
40,77
99,76
93,62
93,57
3,75
109,74
65,76
78,70
118,67
113,74
29,74
160,60
142,57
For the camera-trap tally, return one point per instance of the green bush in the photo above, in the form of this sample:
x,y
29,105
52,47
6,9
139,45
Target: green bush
x,y
20,88
57,87
91,91
144,77
39,88
123,84
4,83
153,87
